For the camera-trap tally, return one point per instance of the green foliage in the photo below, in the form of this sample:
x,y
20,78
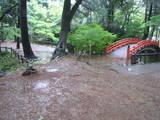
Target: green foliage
x,y
130,20
9,33
133,29
43,20
155,20
91,39
9,63
8,30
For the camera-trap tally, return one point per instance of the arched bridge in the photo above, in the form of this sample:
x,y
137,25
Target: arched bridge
x,y
141,47
121,43
145,46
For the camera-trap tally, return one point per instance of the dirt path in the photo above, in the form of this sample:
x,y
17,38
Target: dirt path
x,y
44,52
67,89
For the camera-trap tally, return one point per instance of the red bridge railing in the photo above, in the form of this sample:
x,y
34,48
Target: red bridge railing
x,y
140,45
121,43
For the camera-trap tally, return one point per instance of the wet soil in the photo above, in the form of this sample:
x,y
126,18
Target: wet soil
x,y
81,89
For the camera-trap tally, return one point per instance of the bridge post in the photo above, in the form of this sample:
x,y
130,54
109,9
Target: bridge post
x,y
128,57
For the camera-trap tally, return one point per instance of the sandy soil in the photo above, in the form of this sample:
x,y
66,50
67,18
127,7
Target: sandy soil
x,y
68,89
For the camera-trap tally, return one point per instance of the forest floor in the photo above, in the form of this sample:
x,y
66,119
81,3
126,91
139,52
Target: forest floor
x,y
88,88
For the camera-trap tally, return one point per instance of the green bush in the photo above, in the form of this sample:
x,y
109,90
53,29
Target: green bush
x,y
91,39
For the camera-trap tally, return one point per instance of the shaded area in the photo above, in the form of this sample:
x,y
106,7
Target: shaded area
x,y
2,74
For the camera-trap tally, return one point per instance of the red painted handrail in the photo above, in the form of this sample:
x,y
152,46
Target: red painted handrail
x,y
121,43
142,44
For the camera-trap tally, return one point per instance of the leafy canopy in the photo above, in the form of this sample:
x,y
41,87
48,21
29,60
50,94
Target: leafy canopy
x,y
91,39
44,18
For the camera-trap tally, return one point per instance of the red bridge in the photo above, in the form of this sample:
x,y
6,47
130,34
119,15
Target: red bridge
x,y
143,47
121,43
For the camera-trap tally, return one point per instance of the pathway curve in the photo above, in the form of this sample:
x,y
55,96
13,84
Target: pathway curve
x,y
44,52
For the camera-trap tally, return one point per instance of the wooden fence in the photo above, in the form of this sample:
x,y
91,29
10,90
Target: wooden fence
x,y
21,58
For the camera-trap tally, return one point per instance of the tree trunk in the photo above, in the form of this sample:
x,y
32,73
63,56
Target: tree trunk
x,y
28,53
157,34
2,36
152,32
110,17
148,15
67,17
61,47
18,26
18,42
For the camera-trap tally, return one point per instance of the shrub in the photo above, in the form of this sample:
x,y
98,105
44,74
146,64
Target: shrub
x,y
91,39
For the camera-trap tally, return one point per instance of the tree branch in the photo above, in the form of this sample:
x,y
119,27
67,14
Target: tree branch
x,y
74,8
8,11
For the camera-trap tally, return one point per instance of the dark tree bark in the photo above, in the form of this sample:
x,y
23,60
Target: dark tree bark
x,y
2,36
155,12
28,53
67,17
110,17
148,15
17,39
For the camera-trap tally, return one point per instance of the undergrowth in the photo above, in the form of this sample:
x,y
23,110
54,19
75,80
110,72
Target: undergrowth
x,y
10,63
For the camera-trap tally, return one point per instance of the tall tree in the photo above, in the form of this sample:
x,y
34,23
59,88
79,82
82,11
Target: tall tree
x,y
148,14
17,38
67,15
28,53
152,9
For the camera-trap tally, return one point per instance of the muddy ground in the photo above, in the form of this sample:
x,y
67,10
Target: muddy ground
x,y
74,89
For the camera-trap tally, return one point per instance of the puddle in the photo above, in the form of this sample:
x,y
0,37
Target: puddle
x,y
51,70
41,85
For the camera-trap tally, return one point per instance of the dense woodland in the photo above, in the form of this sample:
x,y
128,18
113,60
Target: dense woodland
x,y
86,26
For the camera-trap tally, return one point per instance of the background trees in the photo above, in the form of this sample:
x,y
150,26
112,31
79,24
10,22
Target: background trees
x,y
152,8
44,18
8,18
125,18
